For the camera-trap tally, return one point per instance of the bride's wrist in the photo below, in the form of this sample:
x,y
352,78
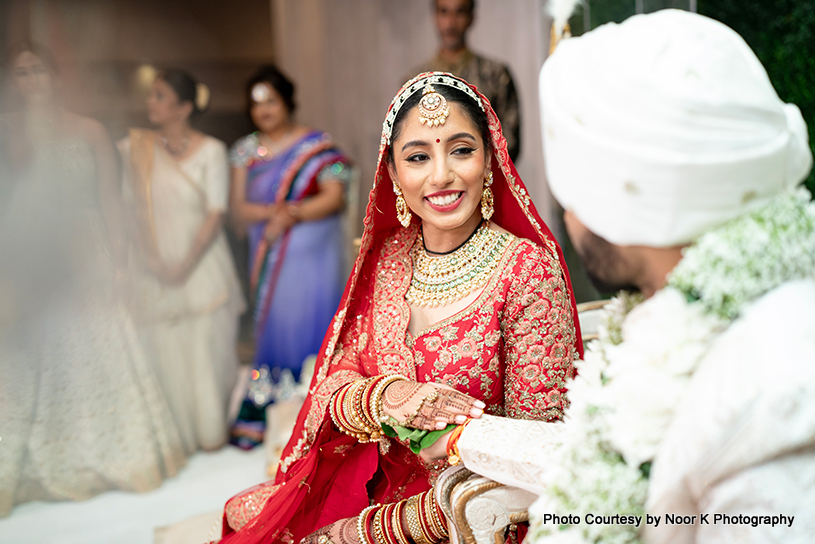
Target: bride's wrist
x,y
356,408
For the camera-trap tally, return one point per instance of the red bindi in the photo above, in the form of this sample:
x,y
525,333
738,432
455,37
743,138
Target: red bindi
x,y
437,140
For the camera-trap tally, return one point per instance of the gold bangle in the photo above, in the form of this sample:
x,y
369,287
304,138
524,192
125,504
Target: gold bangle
x,y
377,525
353,402
349,412
370,424
396,521
342,412
376,399
441,528
426,518
338,405
414,523
387,513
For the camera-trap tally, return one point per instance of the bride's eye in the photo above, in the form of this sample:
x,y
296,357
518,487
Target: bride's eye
x,y
417,157
464,151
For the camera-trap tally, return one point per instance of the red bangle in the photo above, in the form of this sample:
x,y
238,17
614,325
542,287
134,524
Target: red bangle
x,y
366,525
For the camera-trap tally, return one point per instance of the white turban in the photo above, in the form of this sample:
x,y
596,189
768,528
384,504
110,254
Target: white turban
x,y
663,127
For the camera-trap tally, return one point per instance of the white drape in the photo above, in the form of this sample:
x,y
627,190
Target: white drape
x,y
349,58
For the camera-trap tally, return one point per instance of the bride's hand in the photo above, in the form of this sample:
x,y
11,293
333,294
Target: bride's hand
x,y
343,531
438,450
429,406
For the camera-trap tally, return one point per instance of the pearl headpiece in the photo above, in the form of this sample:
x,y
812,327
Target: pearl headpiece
x,y
433,108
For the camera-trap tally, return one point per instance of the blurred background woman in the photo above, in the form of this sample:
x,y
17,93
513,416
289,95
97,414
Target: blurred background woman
x,y
288,189
81,411
188,297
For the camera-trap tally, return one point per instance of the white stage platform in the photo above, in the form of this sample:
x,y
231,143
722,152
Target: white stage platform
x,y
202,488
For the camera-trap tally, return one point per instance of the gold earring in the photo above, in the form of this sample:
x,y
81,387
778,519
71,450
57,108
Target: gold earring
x,y
402,210
487,200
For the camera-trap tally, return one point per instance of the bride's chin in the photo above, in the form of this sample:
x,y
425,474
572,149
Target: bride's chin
x,y
446,223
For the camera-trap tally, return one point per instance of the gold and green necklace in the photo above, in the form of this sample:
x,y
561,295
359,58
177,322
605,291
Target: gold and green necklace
x,y
441,278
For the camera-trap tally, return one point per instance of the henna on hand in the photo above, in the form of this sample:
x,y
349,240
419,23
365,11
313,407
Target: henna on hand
x,y
343,531
398,394
348,532
314,537
428,406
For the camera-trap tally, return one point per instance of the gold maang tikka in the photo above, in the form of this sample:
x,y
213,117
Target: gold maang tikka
x,y
433,108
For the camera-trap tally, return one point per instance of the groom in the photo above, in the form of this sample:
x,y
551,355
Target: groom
x,y
677,165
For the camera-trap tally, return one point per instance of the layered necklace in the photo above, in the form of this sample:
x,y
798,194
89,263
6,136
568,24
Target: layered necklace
x,y
442,278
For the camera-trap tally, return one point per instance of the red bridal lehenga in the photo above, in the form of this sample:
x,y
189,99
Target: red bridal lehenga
x,y
513,348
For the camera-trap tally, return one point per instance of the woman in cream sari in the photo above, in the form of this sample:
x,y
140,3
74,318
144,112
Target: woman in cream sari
x,y
187,297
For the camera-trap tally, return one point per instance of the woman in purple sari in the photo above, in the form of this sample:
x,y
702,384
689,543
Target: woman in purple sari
x,y
288,187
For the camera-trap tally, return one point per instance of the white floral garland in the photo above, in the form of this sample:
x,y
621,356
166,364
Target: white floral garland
x,y
632,377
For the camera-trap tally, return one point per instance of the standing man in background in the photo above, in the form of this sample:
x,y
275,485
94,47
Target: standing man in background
x,y
453,19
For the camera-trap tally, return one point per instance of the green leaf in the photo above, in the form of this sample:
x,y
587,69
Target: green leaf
x,y
419,439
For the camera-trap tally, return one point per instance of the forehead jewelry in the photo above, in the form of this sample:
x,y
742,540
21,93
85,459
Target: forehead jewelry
x,y
260,93
433,108
420,83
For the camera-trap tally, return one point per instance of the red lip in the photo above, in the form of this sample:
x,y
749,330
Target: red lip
x,y
449,207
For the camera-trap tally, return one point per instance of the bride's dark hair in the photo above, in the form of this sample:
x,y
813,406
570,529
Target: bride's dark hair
x,y
453,95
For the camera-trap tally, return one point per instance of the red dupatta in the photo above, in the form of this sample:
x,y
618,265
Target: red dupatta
x,y
323,473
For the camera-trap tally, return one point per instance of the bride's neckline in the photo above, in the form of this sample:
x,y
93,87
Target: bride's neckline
x,y
465,306
462,244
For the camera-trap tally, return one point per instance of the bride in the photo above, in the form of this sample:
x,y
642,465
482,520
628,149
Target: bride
x,y
459,304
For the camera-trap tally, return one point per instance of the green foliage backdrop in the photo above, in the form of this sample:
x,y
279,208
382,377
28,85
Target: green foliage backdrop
x,y
782,34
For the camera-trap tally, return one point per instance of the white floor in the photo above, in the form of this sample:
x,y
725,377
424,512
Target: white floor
x,y
204,485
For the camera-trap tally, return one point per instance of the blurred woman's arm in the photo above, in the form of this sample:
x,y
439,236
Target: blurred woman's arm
x,y
330,200
180,272
244,212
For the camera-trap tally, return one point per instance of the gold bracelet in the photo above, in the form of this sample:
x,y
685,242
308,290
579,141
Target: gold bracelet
x,y
414,523
439,527
339,410
379,392
426,518
388,530
396,521
377,525
354,408
371,424
342,412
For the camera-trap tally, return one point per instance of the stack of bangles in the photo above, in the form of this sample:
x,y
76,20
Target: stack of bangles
x,y
356,408
384,524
